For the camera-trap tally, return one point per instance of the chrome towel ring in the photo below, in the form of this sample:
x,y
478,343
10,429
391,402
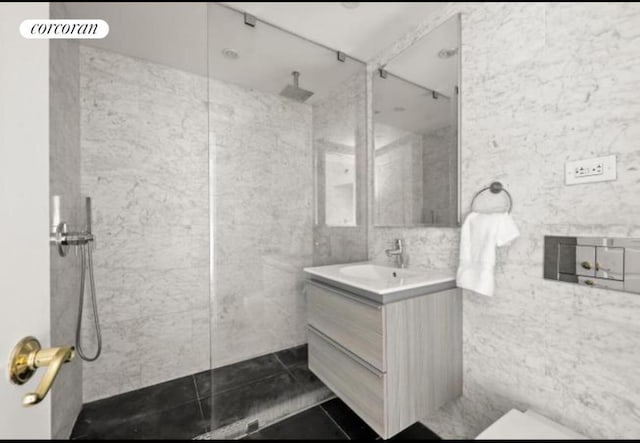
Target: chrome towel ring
x,y
495,188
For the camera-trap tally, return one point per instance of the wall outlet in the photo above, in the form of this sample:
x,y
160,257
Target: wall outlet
x,y
590,170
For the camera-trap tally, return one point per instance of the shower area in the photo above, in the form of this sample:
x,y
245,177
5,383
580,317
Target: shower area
x,y
203,137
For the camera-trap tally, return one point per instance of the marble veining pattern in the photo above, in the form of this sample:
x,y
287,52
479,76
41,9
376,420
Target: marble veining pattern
x,y
440,158
145,165
543,83
263,190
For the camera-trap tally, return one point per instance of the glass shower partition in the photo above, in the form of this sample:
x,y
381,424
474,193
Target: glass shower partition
x,y
274,98
129,128
222,155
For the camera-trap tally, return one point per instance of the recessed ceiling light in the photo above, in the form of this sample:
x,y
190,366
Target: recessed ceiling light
x,y
231,54
399,109
447,53
350,5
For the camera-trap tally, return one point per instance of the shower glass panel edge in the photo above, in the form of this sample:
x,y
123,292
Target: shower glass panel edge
x,y
263,136
129,129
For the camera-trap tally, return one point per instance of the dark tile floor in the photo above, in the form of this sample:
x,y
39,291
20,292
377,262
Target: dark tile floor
x,y
332,420
190,406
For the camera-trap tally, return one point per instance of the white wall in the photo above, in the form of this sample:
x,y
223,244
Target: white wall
x,y
24,210
543,83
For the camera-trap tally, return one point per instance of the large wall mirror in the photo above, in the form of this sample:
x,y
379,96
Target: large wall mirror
x,y
416,141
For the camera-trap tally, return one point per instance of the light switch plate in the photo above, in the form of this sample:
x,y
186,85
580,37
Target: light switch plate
x,y
598,169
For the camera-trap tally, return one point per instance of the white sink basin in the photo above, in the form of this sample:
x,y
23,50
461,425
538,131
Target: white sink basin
x,y
380,274
381,283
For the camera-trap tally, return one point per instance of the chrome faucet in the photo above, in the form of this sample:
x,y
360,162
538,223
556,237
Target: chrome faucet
x,y
398,252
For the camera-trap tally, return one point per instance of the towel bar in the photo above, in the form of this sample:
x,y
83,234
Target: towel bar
x,y
495,188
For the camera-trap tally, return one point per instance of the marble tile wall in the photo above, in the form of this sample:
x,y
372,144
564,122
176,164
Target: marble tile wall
x,y
263,191
543,83
440,157
399,181
64,176
145,164
416,179
152,270
340,117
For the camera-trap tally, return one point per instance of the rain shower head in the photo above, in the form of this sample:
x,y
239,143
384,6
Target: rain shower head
x,y
295,92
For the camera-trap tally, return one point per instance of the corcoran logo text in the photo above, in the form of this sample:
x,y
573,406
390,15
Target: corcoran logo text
x,y
46,28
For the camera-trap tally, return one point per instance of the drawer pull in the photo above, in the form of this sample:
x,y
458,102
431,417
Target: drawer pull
x,y
344,350
360,300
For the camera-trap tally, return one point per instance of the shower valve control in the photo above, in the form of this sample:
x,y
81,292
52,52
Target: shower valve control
x,y
590,170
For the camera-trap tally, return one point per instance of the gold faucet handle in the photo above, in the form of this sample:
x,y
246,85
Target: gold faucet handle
x,y
53,359
27,357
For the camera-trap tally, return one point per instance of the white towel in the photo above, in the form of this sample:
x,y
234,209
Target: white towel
x,y
479,236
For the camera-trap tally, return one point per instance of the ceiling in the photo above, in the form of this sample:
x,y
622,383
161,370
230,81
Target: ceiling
x,y
192,36
401,108
171,34
267,57
405,102
361,32
421,64
175,33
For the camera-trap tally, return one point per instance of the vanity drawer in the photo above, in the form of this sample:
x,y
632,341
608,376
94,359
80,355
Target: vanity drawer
x,y
360,387
355,324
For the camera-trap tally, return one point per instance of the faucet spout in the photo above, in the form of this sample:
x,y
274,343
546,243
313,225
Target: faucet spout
x,y
398,252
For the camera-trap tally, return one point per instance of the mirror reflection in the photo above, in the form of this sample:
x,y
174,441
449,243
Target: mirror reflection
x,y
340,176
415,106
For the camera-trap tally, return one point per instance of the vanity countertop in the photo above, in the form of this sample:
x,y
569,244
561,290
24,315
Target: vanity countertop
x,y
382,284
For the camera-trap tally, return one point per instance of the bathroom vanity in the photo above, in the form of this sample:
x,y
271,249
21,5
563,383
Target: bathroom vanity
x,y
387,341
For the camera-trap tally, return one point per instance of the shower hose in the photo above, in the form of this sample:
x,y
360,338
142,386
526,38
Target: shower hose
x,y
86,261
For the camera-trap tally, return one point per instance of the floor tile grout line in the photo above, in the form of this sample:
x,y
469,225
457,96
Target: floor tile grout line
x,y
134,418
246,384
199,396
280,361
198,400
334,422
284,418
195,385
286,368
249,382
193,376
292,415
297,363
